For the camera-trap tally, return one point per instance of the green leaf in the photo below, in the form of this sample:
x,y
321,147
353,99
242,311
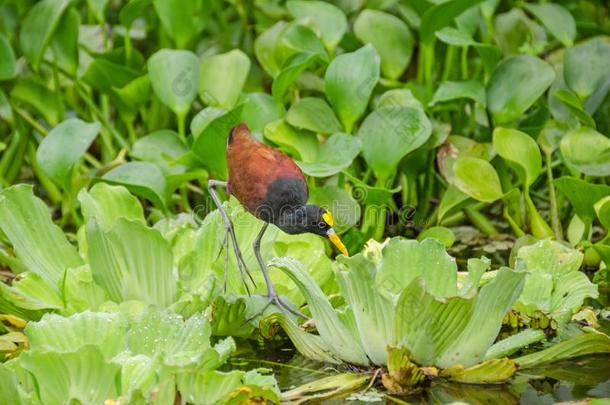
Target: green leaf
x,y
335,155
174,76
477,178
141,178
214,89
582,195
587,151
349,82
515,33
260,109
557,19
65,41
389,133
181,19
8,67
39,244
297,143
391,38
487,372
515,85
440,233
105,75
441,15
108,203
132,261
299,38
326,19
345,210
574,104
602,208
511,344
163,148
97,8
64,146
81,376
131,11
448,91
521,150
264,48
290,72
585,70
34,93
313,114
38,27
452,200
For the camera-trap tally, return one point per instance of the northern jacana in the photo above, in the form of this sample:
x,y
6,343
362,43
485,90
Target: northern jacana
x,y
272,187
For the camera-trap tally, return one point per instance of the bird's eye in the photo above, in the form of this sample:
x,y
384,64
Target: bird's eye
x,y
322,225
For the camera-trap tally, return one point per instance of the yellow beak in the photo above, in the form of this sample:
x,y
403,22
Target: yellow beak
x,y
334,238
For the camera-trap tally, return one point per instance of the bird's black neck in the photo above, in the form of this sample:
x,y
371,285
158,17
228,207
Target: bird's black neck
x,y
301,219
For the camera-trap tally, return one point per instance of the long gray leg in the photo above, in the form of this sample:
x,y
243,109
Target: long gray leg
x,y
271,293
229,231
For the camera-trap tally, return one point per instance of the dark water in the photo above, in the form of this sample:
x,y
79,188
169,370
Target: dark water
x,y
571,380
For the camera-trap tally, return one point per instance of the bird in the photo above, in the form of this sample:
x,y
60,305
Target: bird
x,y
272,187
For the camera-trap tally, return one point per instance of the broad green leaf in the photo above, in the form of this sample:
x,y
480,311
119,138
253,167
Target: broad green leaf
x,y
8,67
373,312
582,195
132,261
107,203
36,94
406,260
163,148
452,200
573,104
521,150
105,75
174,76
141,178
345,210
181,19
448,91
214,89
511,344
60,151
440,16
349,82
98,8
585,70
602,208
391,38
398,98
211,139
488,372
131,11
264,48
80,291
477,178
290,72
65,41
313,114
297,38
81,376
515,33
334,333
260,109
389,133
440,233
335,155
38,27
326,19
557,19
579,345
39,244
300,144
33,292
9,387
587,151
515,85
458,146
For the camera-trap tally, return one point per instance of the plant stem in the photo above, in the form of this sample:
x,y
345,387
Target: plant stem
x,y
182,125
555,222
52,191
480,221
464,62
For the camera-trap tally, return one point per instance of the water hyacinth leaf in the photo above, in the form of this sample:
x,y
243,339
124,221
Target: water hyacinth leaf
x,y
163,148
587,151
313,114
65,41
260,109
174,76
441,15
335,155
440,233
302,145
297,38
515,33
105,75
585,69
141,178
132,261
334,333
8,67
107,203
453,199
36,94
264,48
181,19
602,208
459,146
133,94
471,89
325,18
521,150
83,375
515,85
131,11
290,72
388,134
477,178
39,244
213,89
349,82
398,98
573,104
557,19
427,259
38,27
582,195
391,38
345,210
64,146
211,140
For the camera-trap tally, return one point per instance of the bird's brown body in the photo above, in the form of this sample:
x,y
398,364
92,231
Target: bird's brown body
x,y
256,172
